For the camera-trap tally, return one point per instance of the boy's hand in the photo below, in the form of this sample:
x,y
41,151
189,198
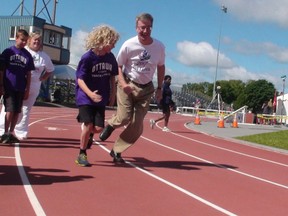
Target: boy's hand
x,y
96,97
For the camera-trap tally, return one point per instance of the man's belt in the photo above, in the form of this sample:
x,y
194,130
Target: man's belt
x,y
138,84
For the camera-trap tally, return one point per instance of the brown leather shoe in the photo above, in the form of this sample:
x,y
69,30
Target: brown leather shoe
x,y
116,157
107,131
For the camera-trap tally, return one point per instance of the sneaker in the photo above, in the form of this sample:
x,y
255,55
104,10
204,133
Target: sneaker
x,y
107,131
5,138
90,141
13,139
9,138
166,129
152,123
82,160
116,157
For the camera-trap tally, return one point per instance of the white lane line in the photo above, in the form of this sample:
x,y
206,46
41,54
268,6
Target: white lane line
x,y
229,150
230,169
7,157
206,202
39,211
27,186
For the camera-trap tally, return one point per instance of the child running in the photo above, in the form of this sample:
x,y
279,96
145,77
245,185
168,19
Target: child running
x,y
95,84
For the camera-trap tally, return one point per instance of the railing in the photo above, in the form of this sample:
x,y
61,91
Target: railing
x,y
59,91
214,113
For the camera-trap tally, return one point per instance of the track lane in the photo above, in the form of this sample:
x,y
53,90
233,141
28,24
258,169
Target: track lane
x,y
52,172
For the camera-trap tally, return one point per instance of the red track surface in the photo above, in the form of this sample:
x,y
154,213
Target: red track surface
x,y
179,173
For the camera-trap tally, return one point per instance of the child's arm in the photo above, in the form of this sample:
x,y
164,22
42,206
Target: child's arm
x,y
93,95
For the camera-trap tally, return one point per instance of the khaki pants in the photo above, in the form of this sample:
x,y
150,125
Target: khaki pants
x,y
131,111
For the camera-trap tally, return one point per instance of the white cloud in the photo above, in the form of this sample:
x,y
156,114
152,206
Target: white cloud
x,y
240,73
201,55
279,54
258,10
77,46
204,56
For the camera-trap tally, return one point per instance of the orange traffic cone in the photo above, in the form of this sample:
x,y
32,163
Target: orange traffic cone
x,y
197,120
235,123
221,122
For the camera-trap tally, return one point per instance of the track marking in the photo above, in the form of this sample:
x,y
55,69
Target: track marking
x,y
7,157
229,150
55,128
218,165
27,186
225,149
194,196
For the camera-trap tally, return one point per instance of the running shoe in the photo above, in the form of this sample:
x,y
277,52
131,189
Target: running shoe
x,y
13,139
166,129
82,160
152,123
5,138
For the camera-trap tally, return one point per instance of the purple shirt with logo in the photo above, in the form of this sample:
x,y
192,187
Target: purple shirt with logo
x,y
95,71
17,62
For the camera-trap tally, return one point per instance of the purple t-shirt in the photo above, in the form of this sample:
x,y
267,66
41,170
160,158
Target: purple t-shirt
x,y
95,71
17,62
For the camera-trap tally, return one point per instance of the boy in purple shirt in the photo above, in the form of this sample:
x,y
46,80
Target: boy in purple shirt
x,y
95,84
15,82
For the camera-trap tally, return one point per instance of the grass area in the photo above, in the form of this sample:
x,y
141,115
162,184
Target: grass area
x,y
277,139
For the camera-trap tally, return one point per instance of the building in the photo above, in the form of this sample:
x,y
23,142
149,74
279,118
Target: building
x,y
56,39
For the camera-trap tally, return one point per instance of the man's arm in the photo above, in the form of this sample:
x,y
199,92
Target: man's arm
x,y
160,75
160,78
122,82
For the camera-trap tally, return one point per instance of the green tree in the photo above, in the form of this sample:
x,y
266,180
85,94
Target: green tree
x,y
256,93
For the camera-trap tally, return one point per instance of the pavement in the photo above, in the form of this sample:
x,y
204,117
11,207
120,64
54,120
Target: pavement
x,y
210,127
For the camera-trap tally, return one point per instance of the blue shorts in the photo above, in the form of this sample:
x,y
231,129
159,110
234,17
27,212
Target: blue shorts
x,y
165,108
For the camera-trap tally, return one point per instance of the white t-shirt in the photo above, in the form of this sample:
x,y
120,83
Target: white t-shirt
x,y
140,61
42,63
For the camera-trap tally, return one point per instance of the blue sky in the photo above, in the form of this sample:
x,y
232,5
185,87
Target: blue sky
x,y
253,34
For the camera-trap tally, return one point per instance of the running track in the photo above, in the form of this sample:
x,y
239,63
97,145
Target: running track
x,y
183,172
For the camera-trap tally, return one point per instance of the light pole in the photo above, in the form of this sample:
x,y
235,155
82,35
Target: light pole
x,y
224,9
282,107
219,99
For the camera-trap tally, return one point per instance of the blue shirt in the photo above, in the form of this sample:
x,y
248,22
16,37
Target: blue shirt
x,y
96,72
17,62
166,94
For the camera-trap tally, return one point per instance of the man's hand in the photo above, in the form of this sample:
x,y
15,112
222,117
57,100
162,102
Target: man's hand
x,y
128,89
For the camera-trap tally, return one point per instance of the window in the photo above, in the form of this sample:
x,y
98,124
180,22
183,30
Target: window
x,y
52,38
66,42
14,29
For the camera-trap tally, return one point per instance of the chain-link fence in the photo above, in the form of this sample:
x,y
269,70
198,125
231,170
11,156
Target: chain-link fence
x,y
58,91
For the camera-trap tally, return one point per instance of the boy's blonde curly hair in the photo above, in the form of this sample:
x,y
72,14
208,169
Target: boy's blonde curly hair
x,y
101,36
